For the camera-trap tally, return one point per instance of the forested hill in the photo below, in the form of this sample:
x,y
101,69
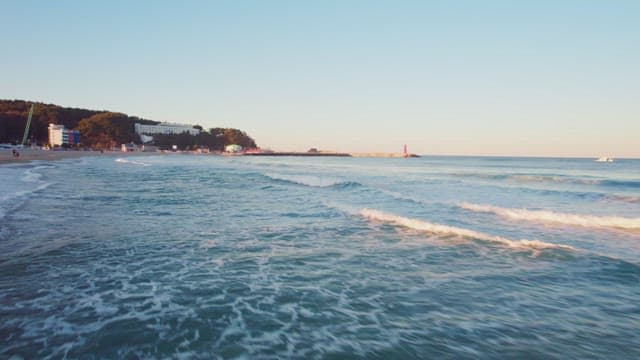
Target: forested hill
x,y
101,128
14,113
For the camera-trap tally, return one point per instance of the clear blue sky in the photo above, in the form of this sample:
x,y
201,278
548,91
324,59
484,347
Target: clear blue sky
x,y
551,78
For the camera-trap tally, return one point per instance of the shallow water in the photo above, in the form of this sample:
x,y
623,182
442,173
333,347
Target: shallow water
x,y
237,257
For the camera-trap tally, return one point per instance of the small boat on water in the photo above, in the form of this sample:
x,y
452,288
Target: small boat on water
x,y
604,159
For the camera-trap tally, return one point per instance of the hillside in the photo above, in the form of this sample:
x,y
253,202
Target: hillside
x,y
14,113
101,128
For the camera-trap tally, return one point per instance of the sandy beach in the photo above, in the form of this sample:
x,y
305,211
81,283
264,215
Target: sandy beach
x,y
26,155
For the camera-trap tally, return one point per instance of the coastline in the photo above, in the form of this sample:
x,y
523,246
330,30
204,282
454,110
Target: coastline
x,y
28,155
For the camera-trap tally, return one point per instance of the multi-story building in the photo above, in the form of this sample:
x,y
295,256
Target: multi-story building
x,y
165,128
59,136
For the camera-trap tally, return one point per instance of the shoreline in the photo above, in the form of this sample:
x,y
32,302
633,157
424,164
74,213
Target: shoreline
x,y
29,155
335,154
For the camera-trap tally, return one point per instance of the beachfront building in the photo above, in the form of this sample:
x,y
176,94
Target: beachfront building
x,y
233,148
59,135
129,147
165,128
148,148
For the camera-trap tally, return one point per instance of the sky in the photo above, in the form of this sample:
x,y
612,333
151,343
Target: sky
x,y
510,78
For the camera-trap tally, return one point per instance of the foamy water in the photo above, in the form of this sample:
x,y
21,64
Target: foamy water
x,y
440,229
131,162
18,183
216,257
557,217
308,180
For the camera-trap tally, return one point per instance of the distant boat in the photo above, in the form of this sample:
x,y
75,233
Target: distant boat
x,y
604,159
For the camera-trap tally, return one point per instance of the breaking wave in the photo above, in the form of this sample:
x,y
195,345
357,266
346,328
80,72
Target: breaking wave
x,y
125,161
12,200
16,192
311,180
557,218
532,178
621,183
32,176
551,179
527,178
624,198
440,229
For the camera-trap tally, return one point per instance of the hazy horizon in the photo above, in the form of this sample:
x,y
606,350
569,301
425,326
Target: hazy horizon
x,y
467,78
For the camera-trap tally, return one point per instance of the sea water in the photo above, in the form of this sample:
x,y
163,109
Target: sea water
x,y
183,256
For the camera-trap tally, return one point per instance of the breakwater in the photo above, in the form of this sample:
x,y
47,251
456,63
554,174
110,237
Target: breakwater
x,y
286,153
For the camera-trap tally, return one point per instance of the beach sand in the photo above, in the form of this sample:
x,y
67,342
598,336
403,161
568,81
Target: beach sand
x,y
26,155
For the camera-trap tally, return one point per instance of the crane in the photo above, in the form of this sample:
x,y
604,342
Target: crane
x,y
26,128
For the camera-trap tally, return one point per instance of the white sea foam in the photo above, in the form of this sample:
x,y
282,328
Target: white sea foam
x,y
557,218
17,186
439,229
32,176
125,161
308,180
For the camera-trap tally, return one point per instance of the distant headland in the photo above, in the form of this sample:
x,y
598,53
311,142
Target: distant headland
x,y
105,130
331,153
51,127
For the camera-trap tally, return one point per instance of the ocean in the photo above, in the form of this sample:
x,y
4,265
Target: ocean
x,y
185,256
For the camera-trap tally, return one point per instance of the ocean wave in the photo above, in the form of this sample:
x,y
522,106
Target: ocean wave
x,y
551,179
32,183
440,229
624,198
30,175
635,184
557,218
532,178
399,196
311,180
20,193
125,161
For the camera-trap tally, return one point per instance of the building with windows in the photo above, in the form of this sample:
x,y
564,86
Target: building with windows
x,y
59,135
165,128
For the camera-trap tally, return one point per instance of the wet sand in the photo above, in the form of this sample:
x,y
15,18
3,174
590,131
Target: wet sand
x,y
26,155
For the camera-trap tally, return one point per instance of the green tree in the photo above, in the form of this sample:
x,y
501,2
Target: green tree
x,y
106,130
103,129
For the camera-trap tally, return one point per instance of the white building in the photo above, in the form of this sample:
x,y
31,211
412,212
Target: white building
x,y
233,148
165,128
59,136
128,147
55,134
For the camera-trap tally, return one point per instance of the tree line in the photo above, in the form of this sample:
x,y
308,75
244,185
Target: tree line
x,y
213,139
103,129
